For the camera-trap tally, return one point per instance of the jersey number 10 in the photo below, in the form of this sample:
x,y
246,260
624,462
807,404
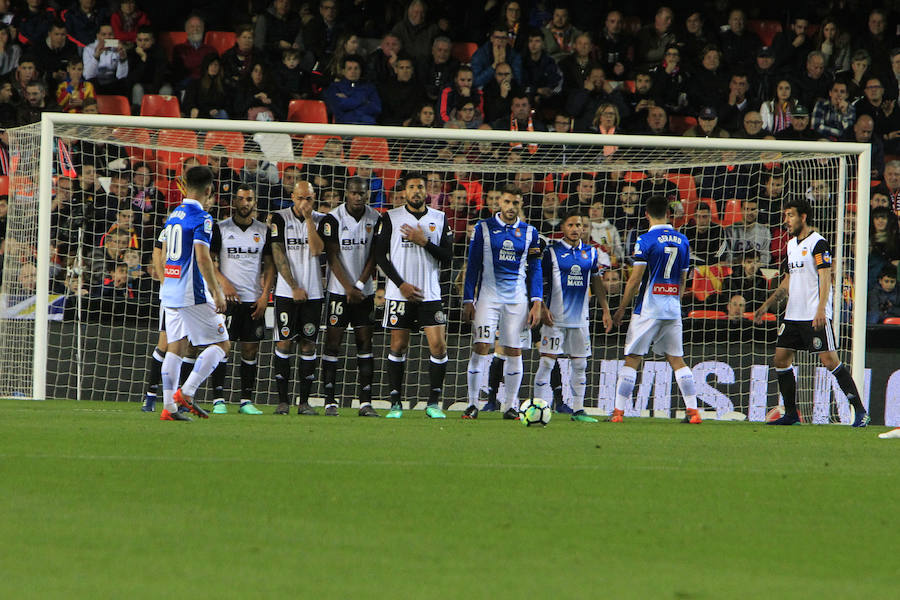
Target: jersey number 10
x,y
173,242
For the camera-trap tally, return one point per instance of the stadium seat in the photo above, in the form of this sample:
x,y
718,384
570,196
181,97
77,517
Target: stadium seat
x,y
113,105
628,84
233,142
732,213
377,148
765,317
169,39
313,143
222,41
177,138
892,321
4,185
678,124
765,29
463,51
707,314
142,153
307,111
633,176
154,105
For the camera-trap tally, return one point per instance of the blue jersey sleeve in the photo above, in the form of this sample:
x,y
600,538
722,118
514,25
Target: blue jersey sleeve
x,y
474,264
534,274
640,252
204,230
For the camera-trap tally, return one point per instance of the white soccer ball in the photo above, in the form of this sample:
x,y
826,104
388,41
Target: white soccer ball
x,y
535,412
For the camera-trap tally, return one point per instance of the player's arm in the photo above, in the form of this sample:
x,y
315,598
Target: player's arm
x,y
215,247
279,257
208,270
383,234
598,288
780,293
316,244
822,258
474,263
546,276
328,231
267,280
535,280
631,287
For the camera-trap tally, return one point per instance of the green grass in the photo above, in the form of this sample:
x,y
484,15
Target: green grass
x,y
103,501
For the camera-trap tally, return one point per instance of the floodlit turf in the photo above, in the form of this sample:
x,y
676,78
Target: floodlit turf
x,y
103,501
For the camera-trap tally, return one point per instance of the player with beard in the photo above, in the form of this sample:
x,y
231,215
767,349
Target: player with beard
x,y
243,255
347,232
807,284
412,244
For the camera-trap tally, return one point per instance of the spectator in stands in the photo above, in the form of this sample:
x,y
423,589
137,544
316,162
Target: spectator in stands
x,y
542,76
739,45
511,20
277,29
799,127
792,45
491,54
606,122
206,97
146,199
876,40
832,117
814,83
320,34
860,64
604,233
25,74
892,80
347,44
770,197
615,47
638,102
863,132
424,116
105,65
293,80
325,176
670,81
694,37
434,190
101,260
281,194
749,235
708,85
401,97
469,181
746,280
879,196
458,213
886,119
36,103
127,20
732,111
436,72
577,66
652,40
892,183
884,242
71,93
884,297
559,34
351,100
521,118
257,97
550,214
33,23
584,194
187,57
833,45
709,244
84,20
498,93
51,54
414,32
10,52
752,128
656,123
583,104
240,57
763,76
776,113
707,125
380,62
148,68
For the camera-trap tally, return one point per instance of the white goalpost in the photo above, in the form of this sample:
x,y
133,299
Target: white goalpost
x,y
70,329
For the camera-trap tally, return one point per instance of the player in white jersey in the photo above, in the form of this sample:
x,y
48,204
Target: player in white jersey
x,y
502,278
569,267
243,256
296,246
191,296
412,244
661,263
807,284
348,232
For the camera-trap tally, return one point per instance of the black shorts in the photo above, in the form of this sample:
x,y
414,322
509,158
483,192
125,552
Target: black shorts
x,y
800,335
242,327
297,320
340,313
400,314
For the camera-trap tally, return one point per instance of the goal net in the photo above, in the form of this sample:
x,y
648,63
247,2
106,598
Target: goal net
x,y
88,194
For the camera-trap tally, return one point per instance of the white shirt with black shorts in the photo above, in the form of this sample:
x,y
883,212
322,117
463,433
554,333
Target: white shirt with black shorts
x,y
240,251
804,259
297,319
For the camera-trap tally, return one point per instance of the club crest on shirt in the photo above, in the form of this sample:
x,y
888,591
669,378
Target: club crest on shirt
x,y
432,227
256,238
518,232
285,331
333,320
804,252
394,319
368,228
583,254
327,229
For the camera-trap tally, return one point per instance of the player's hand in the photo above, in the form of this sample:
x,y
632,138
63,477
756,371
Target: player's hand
x,y
607,320
819,321
221,305
618,316
354,296
534,315
414,234
306,208
230,293
468,312
259,307
546,317
411,292
758,314
299,294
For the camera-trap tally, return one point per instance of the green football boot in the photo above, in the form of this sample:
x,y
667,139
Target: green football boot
x,y
247,408
395,413
433,411
220,408
583,417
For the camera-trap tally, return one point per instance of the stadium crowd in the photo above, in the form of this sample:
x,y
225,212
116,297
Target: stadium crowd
x,y
708,69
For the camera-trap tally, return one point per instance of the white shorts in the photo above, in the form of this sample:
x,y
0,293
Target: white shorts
x,y
200,324
574,341
665,335
507,323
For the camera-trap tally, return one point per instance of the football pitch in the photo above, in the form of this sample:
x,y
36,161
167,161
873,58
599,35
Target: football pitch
x,y
103,501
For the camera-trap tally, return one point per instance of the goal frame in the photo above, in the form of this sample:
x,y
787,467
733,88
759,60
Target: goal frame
x,y
841,149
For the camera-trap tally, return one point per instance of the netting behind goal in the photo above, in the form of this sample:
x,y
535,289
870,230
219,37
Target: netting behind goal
x,y
113,187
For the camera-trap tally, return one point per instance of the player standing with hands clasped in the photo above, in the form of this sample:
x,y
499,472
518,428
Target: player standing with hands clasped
x,y
348,232
807,318
661,262
412,244
296,246
191,296
503,276
569,266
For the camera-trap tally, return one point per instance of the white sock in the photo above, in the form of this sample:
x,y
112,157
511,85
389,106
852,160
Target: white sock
x,y
542,379
685,378
512,380
624,387
478,364
171,371
579,382
206,363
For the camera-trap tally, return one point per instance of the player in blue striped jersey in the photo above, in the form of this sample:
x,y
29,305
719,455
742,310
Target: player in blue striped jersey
x,y
503,275
661,260
569,267
192,299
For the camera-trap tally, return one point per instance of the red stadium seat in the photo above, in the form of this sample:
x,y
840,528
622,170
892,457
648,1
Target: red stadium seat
x,y
222,41
732,213
628,84
169,39
136,154
307,111
113,105
186,139
463,51
154,105
233,142
892,321
678,124
377,148
707,314
765,317
766,30
4,185
313,143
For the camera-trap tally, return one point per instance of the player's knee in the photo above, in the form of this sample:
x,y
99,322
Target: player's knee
x,y
249,350
226,346
481,348
507,351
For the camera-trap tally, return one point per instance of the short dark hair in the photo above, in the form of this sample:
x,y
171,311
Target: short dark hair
x,y
198,178
244,187
888,270
352,58
409,175
573,212
143,29
359,181
510,189
801,205
657,207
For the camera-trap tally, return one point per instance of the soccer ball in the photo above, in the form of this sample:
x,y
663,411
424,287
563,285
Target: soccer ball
x,y
535,412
